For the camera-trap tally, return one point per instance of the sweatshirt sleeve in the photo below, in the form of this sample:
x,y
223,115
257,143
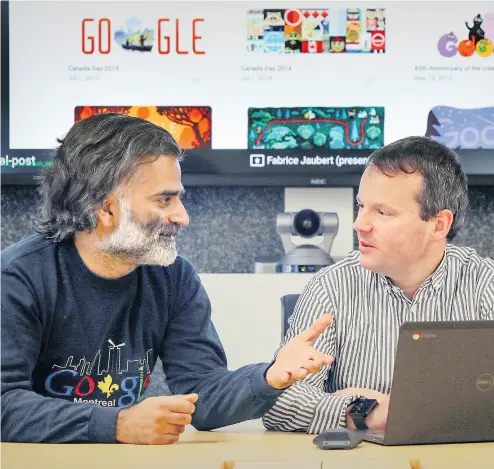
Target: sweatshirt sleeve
x,y
194,362
27,416
306,406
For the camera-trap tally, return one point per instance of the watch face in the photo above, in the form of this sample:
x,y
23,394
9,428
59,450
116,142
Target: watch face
x,y
363,406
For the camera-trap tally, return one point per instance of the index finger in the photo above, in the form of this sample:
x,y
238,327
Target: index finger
x,y
180,405
317,328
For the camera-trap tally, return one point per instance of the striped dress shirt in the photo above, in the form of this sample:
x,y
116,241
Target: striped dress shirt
x,y
367,312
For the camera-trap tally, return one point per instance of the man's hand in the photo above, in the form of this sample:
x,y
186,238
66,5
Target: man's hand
x,y
378,417
297,358
156,420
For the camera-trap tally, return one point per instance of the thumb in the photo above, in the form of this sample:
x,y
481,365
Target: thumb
x,y
191,397
279,379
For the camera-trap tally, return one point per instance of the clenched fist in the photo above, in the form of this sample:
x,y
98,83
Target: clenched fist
x,y
298,358
156,420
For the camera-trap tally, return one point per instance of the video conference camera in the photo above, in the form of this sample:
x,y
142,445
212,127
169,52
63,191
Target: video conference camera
x,y
307,237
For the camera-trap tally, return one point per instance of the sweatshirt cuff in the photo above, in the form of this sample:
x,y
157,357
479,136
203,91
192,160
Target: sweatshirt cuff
x,y
259,386
102,424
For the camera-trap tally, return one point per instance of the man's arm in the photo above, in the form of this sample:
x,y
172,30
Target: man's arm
x,y
26,415
305,406
194,362
487,302
377,419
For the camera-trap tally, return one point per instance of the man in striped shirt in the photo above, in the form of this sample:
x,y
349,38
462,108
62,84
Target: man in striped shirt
x,y
412,201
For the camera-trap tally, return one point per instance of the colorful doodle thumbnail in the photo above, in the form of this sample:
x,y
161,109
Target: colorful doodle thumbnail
x,y
314,31
134,36
462,129
189,125
316,127
476,37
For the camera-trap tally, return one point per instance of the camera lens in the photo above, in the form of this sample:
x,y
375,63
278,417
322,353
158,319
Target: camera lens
x,y
306,223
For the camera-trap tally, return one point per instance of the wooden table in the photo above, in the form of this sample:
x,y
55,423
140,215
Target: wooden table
x,y
245,448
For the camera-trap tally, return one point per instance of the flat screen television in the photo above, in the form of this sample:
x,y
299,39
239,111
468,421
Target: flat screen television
x,y
255,94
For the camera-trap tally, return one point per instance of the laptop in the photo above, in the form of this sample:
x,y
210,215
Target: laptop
x,y
443,385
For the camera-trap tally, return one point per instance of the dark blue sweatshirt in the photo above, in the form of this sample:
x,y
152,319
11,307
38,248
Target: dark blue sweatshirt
x,y
77,348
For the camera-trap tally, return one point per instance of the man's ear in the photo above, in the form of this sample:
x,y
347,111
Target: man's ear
x,y
106,214
442,224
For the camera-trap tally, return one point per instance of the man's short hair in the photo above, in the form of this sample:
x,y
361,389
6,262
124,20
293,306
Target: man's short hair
x,y
445,183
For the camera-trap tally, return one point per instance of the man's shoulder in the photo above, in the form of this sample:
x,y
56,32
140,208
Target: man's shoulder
x,y
347,271
347,267
179,280
29,251
462,259
339,282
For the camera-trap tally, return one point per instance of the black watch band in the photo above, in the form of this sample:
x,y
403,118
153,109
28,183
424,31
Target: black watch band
x,y
359,411
359,421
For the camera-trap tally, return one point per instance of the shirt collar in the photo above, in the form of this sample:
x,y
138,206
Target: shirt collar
x,y
435,280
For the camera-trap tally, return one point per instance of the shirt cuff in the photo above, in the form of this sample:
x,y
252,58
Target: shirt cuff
x,y
102,424
259,386
331,413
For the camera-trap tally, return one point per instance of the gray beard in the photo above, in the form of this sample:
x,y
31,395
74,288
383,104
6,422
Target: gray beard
x,y
138,243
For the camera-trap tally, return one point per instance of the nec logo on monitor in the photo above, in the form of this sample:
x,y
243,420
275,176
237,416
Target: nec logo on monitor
x,y
257,160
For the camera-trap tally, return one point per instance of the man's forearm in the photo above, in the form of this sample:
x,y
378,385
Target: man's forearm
x,y
229,397
305,407
28,417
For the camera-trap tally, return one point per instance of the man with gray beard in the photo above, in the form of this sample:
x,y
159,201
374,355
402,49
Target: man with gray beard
x,y
90,301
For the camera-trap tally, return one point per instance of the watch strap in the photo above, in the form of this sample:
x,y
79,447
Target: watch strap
x,y
359,421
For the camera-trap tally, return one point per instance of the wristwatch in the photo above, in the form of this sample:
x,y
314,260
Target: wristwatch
x,y
361,408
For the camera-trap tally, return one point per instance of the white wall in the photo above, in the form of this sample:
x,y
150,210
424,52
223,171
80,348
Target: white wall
x,y
246,311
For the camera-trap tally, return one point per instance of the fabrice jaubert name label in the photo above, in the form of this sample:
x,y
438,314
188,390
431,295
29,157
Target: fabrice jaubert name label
x,y
262,160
